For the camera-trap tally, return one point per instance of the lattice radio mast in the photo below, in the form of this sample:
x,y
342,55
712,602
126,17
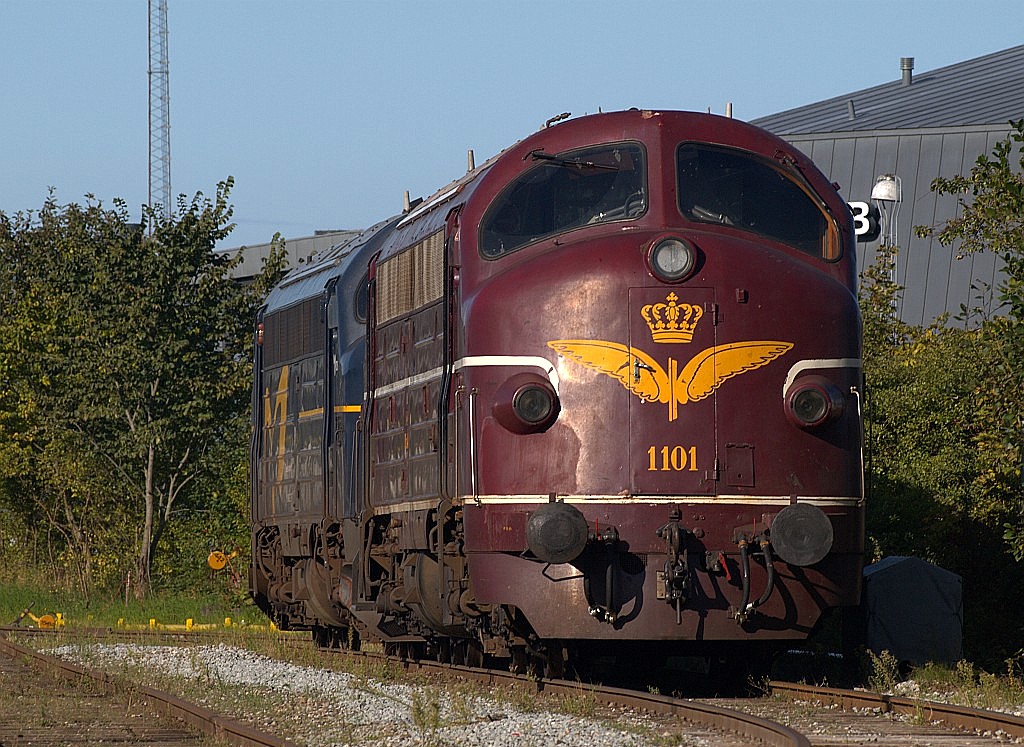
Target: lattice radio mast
x,y
159,111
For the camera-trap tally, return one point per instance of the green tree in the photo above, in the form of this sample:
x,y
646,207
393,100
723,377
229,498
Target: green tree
x,y
923,427
992,220
128,363
920,424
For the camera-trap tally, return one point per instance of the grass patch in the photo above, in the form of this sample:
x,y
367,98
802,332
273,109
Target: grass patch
x,y
964,684
167,608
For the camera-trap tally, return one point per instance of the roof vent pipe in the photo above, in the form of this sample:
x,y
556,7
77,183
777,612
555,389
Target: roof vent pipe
x,y
851,110
907,67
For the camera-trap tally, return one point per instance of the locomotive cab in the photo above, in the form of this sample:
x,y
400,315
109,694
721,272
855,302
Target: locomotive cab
x,y
706,377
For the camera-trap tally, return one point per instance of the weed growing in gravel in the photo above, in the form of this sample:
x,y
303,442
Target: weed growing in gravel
x,y
291,647
759,686
651,730
462,696
582,702
426,716
516,696
885,672
201,670
653,736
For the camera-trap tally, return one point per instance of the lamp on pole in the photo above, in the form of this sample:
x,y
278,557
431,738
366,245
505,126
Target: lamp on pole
x,y
887,194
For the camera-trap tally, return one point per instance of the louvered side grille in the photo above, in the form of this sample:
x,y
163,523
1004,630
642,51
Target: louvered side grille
x,y
412,279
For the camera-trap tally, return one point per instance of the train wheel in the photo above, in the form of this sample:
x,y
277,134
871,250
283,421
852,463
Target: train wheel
x,y
554,664
520,663
444,651
327,637
473,654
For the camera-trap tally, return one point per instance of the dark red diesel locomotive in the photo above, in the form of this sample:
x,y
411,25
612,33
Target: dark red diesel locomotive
x,y
601,395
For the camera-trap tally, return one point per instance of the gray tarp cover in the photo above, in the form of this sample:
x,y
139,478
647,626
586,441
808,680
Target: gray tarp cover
x,y
914,610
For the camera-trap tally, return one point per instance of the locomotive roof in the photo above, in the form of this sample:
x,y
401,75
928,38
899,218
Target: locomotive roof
x,y
308,280
426,217
429,215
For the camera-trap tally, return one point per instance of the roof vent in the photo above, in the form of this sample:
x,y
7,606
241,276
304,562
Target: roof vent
x,y
907,68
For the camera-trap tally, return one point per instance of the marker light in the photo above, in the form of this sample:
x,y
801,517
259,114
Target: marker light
x,y
672,259
814,401
526,403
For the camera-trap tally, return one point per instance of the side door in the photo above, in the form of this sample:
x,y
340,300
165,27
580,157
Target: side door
x,y
334,433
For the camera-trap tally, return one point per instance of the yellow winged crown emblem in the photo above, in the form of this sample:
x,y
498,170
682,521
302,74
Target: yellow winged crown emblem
x,y
645,377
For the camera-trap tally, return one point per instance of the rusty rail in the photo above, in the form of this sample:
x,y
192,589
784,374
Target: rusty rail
x,y
198,717
951,716
770,733
749,726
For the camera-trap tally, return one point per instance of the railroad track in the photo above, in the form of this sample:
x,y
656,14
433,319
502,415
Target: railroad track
x,y
717,718
722,717
923,722
198,719
960,718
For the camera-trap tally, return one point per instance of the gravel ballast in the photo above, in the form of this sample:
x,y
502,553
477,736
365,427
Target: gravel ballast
x,y
324,707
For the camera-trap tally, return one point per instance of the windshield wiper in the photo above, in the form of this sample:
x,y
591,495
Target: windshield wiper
x,y
539,155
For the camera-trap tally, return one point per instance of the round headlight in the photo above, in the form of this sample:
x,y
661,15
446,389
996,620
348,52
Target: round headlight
x,y
809,406
814,401
526,403
672,259
533,404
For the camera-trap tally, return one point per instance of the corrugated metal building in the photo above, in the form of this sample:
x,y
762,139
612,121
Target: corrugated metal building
x,y
300,251
916,128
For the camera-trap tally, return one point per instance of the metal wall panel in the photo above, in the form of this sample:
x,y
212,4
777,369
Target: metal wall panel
x,y
935,279
914,255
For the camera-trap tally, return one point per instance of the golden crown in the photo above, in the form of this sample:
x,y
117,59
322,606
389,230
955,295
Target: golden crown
x,y
672,322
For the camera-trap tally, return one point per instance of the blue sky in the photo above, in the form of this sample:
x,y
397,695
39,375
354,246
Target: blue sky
x,y
325,112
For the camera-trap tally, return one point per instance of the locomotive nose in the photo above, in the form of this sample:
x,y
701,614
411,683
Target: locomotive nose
x,y
557,532
801,534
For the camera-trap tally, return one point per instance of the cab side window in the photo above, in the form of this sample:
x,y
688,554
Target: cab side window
x,y
563,192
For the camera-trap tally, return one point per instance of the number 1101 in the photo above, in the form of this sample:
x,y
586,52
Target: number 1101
x,y
672,458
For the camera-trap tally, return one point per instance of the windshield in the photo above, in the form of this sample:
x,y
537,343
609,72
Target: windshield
x,y
566,191
734,188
